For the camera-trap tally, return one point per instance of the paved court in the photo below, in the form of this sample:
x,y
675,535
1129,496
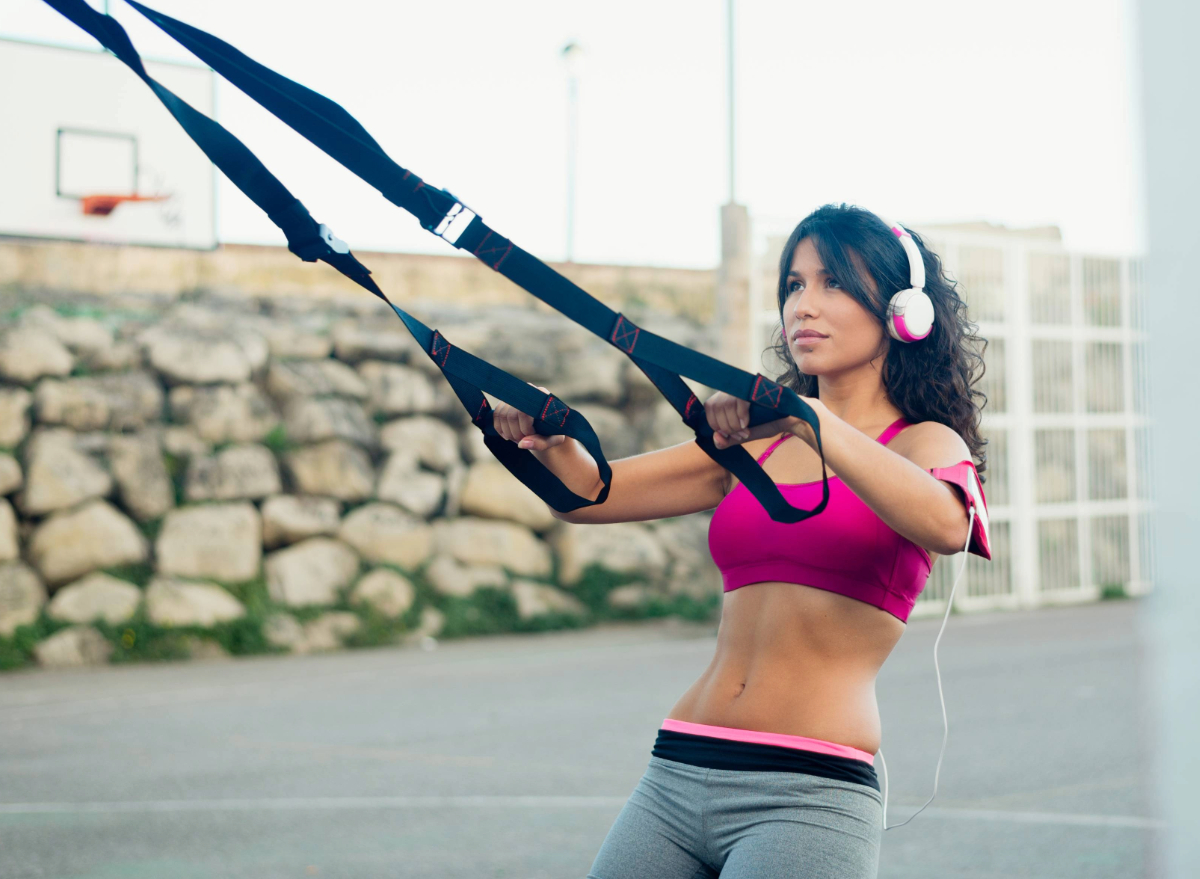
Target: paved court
x,y
509,757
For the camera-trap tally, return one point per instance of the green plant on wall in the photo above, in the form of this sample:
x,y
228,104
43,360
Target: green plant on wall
x,y
597,583
486,611
277,440
1113,592
17,649
176,472
137,573
151,529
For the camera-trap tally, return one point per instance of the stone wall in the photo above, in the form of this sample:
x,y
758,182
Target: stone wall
x,y
113,272
188,474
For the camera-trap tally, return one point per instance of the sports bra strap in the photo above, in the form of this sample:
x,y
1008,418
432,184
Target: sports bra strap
x,y
894,428
772,447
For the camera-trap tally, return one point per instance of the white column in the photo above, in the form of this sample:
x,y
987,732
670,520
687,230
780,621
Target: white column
x,y
1134,585
1026,584
1170,70
1079,421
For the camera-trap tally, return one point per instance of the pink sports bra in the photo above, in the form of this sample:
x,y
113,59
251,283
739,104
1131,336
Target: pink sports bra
x,y
845,549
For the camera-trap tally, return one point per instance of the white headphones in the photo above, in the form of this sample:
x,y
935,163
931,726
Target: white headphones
x,y
910,313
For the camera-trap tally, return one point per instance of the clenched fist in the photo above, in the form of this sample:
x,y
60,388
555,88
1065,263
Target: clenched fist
x,y
729,418
515,426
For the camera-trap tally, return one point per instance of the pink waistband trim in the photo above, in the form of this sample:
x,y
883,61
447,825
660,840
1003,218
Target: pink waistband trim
x,y
803,743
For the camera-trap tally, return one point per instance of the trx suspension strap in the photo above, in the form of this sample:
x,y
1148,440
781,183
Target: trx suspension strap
x,y
332,129
312,241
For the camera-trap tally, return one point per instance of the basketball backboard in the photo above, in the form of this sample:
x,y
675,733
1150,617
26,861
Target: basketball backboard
x,y
88,153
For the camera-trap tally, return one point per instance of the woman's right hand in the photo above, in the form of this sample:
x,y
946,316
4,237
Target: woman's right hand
x,y
515,426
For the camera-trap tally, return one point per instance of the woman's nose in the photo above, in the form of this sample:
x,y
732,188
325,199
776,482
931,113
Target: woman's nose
x,y
801,309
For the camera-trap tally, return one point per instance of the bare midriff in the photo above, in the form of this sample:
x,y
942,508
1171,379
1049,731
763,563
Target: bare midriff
x,y
795,660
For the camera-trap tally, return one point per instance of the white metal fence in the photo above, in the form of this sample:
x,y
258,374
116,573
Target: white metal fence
x,y
1066,418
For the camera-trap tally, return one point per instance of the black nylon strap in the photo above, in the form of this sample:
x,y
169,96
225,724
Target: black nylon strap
x,y
312,241
335,131
330,127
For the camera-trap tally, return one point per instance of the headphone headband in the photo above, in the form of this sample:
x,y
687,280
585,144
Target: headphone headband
x,y
916,265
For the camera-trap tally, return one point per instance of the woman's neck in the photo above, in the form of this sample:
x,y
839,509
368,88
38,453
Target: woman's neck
x,y
861,401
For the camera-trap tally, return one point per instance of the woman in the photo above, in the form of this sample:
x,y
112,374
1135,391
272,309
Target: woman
x,y
764,767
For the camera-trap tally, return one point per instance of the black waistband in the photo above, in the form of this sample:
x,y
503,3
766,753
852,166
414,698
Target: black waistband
x,y
712,753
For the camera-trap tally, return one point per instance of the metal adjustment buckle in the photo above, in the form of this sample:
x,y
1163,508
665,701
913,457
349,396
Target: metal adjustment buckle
x,y
455,222
337,245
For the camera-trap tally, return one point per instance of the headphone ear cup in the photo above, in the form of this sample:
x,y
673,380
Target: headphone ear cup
x,y
910,315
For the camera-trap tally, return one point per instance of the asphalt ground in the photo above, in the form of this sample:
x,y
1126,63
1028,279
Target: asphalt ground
x,y
510,757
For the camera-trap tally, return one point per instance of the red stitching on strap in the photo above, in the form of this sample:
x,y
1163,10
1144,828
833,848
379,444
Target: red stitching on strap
x,y
482,408
482,254
771,393
561,419
687,410
621,332
443,351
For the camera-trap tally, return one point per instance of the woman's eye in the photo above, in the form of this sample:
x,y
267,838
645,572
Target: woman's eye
x,y
793,286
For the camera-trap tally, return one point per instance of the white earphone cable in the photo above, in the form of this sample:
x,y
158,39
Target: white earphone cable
x,y
941,696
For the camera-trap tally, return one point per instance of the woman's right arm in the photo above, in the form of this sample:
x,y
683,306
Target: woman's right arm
x,y
669,482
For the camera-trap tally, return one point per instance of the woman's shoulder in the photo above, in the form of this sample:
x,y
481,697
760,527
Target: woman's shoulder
x,y
931,444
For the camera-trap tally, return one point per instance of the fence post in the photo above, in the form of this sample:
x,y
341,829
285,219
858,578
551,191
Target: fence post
x,y
1024,532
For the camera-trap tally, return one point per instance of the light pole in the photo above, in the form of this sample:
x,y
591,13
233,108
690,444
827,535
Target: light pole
x,y
732,117
733,325
571,54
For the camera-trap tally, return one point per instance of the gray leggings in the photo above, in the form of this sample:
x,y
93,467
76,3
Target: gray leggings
x,y
688,822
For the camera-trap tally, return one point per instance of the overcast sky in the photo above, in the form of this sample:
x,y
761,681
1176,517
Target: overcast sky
x,y
1021,113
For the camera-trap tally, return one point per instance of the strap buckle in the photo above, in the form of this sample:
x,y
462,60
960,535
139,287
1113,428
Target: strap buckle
x,y
455,222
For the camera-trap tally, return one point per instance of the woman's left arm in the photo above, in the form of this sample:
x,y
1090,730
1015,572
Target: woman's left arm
x,y
899,488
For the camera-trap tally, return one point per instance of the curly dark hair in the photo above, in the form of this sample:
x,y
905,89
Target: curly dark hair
x,y
929,380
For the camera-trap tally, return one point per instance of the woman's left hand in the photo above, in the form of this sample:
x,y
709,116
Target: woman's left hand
x,y
729,418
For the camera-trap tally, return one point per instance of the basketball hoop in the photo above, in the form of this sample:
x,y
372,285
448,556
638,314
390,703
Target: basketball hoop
x,y
103,205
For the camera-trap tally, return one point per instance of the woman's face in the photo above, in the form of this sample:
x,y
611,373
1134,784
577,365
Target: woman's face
x,y
816,301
